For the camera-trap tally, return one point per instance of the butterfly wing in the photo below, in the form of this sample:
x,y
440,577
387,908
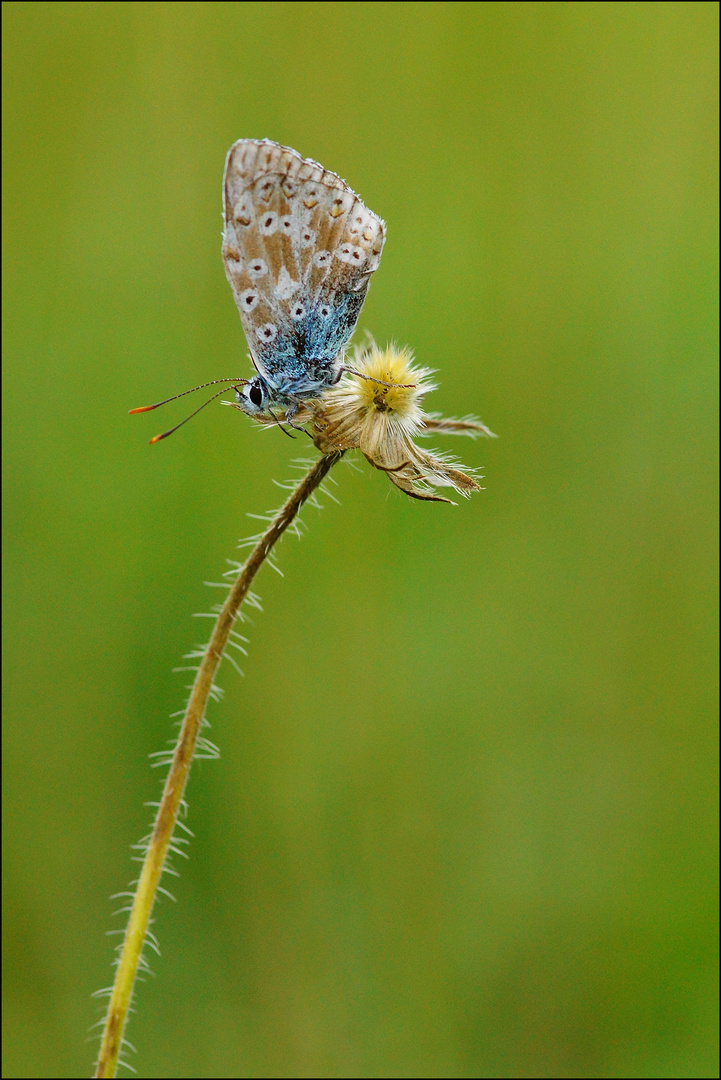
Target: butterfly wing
x,y
299,248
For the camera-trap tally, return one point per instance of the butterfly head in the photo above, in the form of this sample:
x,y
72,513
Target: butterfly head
x,y
254,397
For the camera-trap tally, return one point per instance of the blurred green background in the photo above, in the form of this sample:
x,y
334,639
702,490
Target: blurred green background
x,y
464,820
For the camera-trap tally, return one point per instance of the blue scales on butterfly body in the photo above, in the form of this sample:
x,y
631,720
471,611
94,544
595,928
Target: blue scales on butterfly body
x,y
299,249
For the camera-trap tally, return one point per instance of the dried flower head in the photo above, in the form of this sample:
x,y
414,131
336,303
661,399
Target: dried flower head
x,y
377,408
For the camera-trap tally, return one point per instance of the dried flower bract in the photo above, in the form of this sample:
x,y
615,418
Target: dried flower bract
x,y
377,408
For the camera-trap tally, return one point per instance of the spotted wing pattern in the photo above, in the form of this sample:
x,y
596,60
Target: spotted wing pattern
x,y
299,248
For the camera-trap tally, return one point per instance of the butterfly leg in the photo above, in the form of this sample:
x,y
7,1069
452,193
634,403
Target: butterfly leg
x,y
288,419
280,424
369,378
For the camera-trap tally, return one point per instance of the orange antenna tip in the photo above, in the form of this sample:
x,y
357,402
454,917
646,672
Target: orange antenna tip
x,y
149,408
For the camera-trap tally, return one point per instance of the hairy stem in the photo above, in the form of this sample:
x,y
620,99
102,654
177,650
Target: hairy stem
x,y
166,818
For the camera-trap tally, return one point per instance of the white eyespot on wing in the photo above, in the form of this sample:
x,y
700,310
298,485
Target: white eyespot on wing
x,y
358,221
231,254
234,268
307,237
350,254
265,188
322,258
286,285
268,332
243,211
289,186
372,233
341,202
285,225
257,268
325,311
297,312
267,223
249,300
312,194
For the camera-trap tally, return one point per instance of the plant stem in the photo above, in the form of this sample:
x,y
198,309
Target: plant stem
x,y
166,818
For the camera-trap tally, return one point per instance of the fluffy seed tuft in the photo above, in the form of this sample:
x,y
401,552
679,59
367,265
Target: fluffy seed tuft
x,y
377,408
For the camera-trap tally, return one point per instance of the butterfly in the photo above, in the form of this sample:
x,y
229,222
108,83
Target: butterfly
x,y
299,249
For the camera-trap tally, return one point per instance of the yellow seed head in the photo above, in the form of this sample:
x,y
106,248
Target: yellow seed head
x,y
377,408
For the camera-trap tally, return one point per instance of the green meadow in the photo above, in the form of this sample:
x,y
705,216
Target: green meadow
x,y
464,819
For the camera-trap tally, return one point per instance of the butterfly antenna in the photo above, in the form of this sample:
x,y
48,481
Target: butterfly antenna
x,y
213,382
164,435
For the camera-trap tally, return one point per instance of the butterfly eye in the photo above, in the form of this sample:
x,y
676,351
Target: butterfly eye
x,y
256,396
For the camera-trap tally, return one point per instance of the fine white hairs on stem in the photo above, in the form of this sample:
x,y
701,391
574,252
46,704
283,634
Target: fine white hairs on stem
x,y
155,849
